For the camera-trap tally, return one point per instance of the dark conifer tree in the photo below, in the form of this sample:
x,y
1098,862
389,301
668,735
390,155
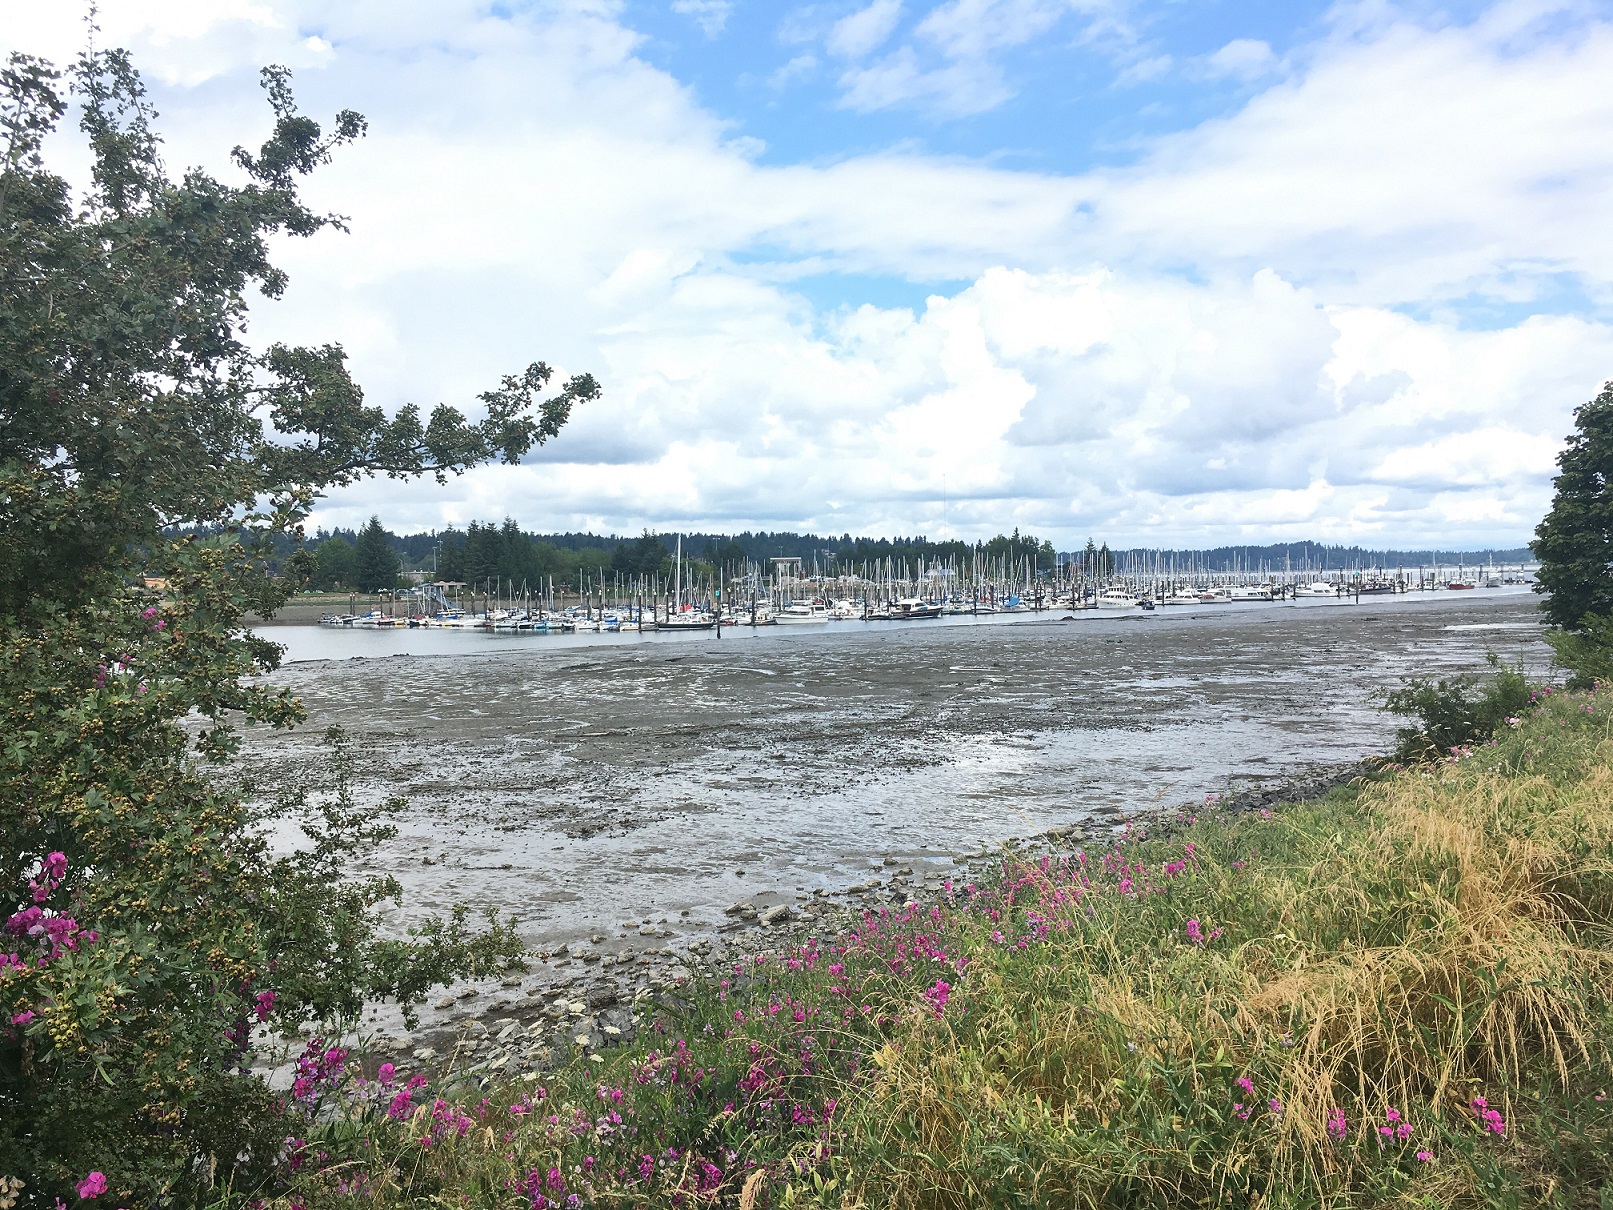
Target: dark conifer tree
x,y
376,564
1575,542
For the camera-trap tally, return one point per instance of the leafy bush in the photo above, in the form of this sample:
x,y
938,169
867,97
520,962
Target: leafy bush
x,y
147,923
1586,651
1457,712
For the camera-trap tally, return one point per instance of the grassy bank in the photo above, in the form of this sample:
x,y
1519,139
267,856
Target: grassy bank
x,y
1398,995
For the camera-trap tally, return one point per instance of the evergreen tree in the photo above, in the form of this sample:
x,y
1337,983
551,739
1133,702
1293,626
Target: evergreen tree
x,y
451,555
375,563
484,551
641,557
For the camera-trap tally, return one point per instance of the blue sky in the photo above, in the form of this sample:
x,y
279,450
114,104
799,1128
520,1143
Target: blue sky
x,y
1071,104
1165,273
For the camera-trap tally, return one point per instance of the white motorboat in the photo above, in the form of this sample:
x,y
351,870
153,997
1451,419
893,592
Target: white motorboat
x,y
1182,596
1316,588
1117,598
802,613
1251,592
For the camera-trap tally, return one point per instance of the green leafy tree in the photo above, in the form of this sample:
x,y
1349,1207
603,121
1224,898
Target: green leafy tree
x,y
375,563
147,923
1574,544
335,563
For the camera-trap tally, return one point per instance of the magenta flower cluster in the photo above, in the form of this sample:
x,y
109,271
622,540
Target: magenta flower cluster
x,y
92,1185
43,933
1394,1128
320,1070
1488,1118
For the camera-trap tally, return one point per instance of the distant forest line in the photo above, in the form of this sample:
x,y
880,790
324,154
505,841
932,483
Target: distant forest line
x,y
762,546
506,552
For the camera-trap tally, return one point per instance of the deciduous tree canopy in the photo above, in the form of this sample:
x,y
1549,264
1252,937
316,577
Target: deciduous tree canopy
x,y
147,922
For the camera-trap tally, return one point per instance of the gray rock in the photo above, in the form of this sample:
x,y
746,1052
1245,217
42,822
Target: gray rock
x,y
777,914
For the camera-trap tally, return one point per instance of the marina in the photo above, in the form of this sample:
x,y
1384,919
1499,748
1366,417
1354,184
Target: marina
x,y
788,595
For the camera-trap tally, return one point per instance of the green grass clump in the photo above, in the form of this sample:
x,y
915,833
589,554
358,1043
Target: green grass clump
x,y
1398,995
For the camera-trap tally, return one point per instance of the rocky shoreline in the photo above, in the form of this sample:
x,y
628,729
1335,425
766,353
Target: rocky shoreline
x,y
579,1000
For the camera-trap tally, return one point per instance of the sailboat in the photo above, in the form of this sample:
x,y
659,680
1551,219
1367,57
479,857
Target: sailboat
x,y
681,616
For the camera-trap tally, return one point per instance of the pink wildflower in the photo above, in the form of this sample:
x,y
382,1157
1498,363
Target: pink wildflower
x,y
92,1186
1489,1118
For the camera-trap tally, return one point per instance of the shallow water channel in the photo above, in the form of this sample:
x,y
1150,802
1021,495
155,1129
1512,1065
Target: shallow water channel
x,y
579,783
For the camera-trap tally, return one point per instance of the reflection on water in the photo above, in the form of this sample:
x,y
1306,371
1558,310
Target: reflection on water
x,y
585,779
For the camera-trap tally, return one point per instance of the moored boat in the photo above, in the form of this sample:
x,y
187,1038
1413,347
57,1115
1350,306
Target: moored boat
x,y
802,613
908,609
1316,588
1116,598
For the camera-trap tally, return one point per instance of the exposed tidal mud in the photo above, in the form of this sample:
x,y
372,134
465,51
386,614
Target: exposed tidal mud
x,y
624,797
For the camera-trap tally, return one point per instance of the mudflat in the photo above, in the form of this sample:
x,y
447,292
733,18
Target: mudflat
x,y
580,784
